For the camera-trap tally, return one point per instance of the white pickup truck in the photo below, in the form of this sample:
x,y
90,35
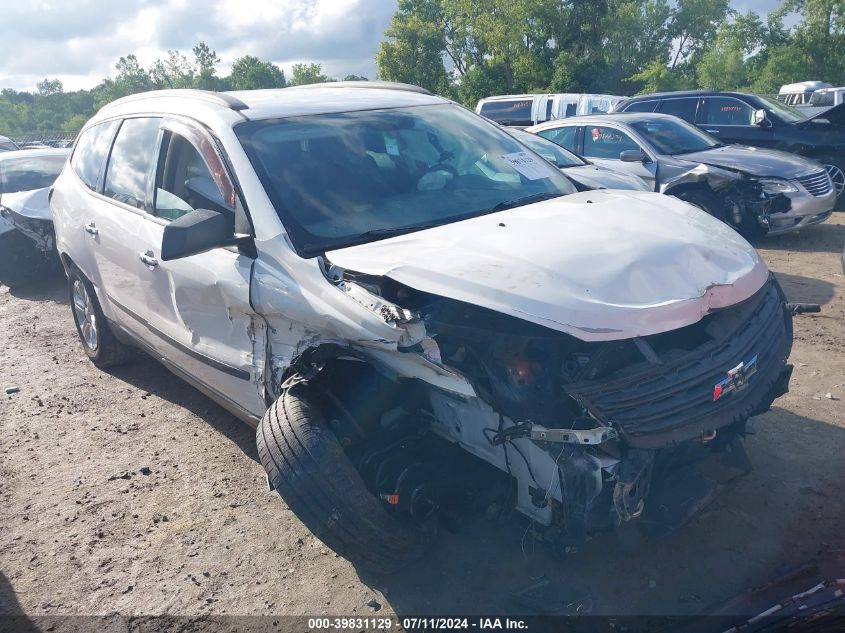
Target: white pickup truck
x,y
530,109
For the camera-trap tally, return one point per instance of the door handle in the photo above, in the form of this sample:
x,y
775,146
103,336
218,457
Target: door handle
x,y
91,229
712,131
148,258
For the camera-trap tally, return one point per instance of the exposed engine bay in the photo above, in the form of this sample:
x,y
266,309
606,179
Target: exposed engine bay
x,y
592,434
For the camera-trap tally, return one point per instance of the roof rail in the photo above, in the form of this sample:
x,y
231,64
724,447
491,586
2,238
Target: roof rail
x,y
219,98
382,85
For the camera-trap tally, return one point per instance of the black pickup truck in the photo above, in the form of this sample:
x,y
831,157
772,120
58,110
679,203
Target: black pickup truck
x,y
748,119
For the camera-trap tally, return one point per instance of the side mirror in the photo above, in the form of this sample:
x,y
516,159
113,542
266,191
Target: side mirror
x,y
761,119
633,156
197,232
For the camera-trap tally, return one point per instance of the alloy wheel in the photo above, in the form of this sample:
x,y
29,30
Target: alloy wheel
x,y
86,318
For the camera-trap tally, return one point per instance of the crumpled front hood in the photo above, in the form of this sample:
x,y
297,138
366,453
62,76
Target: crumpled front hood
x,y
30,204
599,265
754,161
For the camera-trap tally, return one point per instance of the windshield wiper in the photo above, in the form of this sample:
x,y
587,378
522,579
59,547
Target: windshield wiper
x,y
518,202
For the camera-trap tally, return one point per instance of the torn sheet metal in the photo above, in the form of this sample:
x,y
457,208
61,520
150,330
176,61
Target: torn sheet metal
x,y
621,264
32,205
713,176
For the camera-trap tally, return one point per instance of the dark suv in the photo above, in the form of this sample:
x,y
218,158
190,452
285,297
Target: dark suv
x,y
736,117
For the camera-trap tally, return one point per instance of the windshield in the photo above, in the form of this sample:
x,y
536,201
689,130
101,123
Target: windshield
x,y
552,152
30,172
674,136
353,177
784,112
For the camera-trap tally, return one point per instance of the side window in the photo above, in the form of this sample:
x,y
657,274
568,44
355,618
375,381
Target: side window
x,y
681,108
90,151
508,112
727,111
184,182
563,136
131,161
605,142
641,106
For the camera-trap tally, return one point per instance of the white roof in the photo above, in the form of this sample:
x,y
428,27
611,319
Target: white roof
x,y
231,107
803,86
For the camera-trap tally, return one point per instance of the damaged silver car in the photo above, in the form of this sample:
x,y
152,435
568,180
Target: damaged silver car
x,y
27,247
418,314
757,191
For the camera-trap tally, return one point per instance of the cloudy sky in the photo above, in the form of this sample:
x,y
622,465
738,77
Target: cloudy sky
x,y
79,41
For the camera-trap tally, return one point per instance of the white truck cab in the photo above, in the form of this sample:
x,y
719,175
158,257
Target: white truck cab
x,y
530,109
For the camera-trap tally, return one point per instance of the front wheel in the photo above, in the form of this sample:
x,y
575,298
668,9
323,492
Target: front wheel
x,y
306,465
97,339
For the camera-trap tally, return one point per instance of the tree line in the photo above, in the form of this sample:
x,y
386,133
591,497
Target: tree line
x,y
51,108
469,49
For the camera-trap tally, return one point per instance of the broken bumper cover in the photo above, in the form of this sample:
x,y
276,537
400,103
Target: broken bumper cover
x,y
38,230
732,377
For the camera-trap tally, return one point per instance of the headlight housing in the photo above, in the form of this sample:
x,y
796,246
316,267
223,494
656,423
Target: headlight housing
x,y
774,186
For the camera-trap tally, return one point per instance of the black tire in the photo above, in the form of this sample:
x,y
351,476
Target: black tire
x,y
706,201
835,168
308,468
107,351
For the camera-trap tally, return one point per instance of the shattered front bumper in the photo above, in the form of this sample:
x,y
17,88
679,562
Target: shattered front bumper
x,y
690,394
40,231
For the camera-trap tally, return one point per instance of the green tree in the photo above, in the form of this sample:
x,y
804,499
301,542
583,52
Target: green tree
x,y
206,60
355,78
723,64
249,72
174,72
48,87
302,74
414,46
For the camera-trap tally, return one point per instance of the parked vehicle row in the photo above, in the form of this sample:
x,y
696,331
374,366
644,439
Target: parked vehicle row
x,y
759,121
754,190
531,109
404,300
27,241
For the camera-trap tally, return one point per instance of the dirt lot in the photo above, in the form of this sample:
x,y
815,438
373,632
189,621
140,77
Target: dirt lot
x,y
130,492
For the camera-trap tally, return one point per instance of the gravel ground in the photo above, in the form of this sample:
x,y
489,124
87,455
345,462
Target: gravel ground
x,y
129,492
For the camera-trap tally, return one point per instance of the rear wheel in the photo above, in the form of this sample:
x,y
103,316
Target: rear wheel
x,y
307,466
97,339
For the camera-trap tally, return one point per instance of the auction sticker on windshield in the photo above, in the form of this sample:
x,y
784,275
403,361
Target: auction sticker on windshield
x,y
526,165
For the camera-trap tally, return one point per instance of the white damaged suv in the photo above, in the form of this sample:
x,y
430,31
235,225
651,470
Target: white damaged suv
x,y
376,278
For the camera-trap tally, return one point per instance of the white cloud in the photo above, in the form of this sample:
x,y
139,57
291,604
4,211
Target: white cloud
x,y
79,42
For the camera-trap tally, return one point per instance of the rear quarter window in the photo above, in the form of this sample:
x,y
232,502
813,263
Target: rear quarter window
x,y
563,136
90,152
682,108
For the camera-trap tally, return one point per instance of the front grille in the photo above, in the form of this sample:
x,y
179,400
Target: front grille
x,y
653,405
818,183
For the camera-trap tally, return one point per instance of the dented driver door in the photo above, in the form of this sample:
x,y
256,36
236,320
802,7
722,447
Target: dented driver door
x,y
198,307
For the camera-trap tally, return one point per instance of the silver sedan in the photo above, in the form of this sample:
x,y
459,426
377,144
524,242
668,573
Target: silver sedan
x,y
757,191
